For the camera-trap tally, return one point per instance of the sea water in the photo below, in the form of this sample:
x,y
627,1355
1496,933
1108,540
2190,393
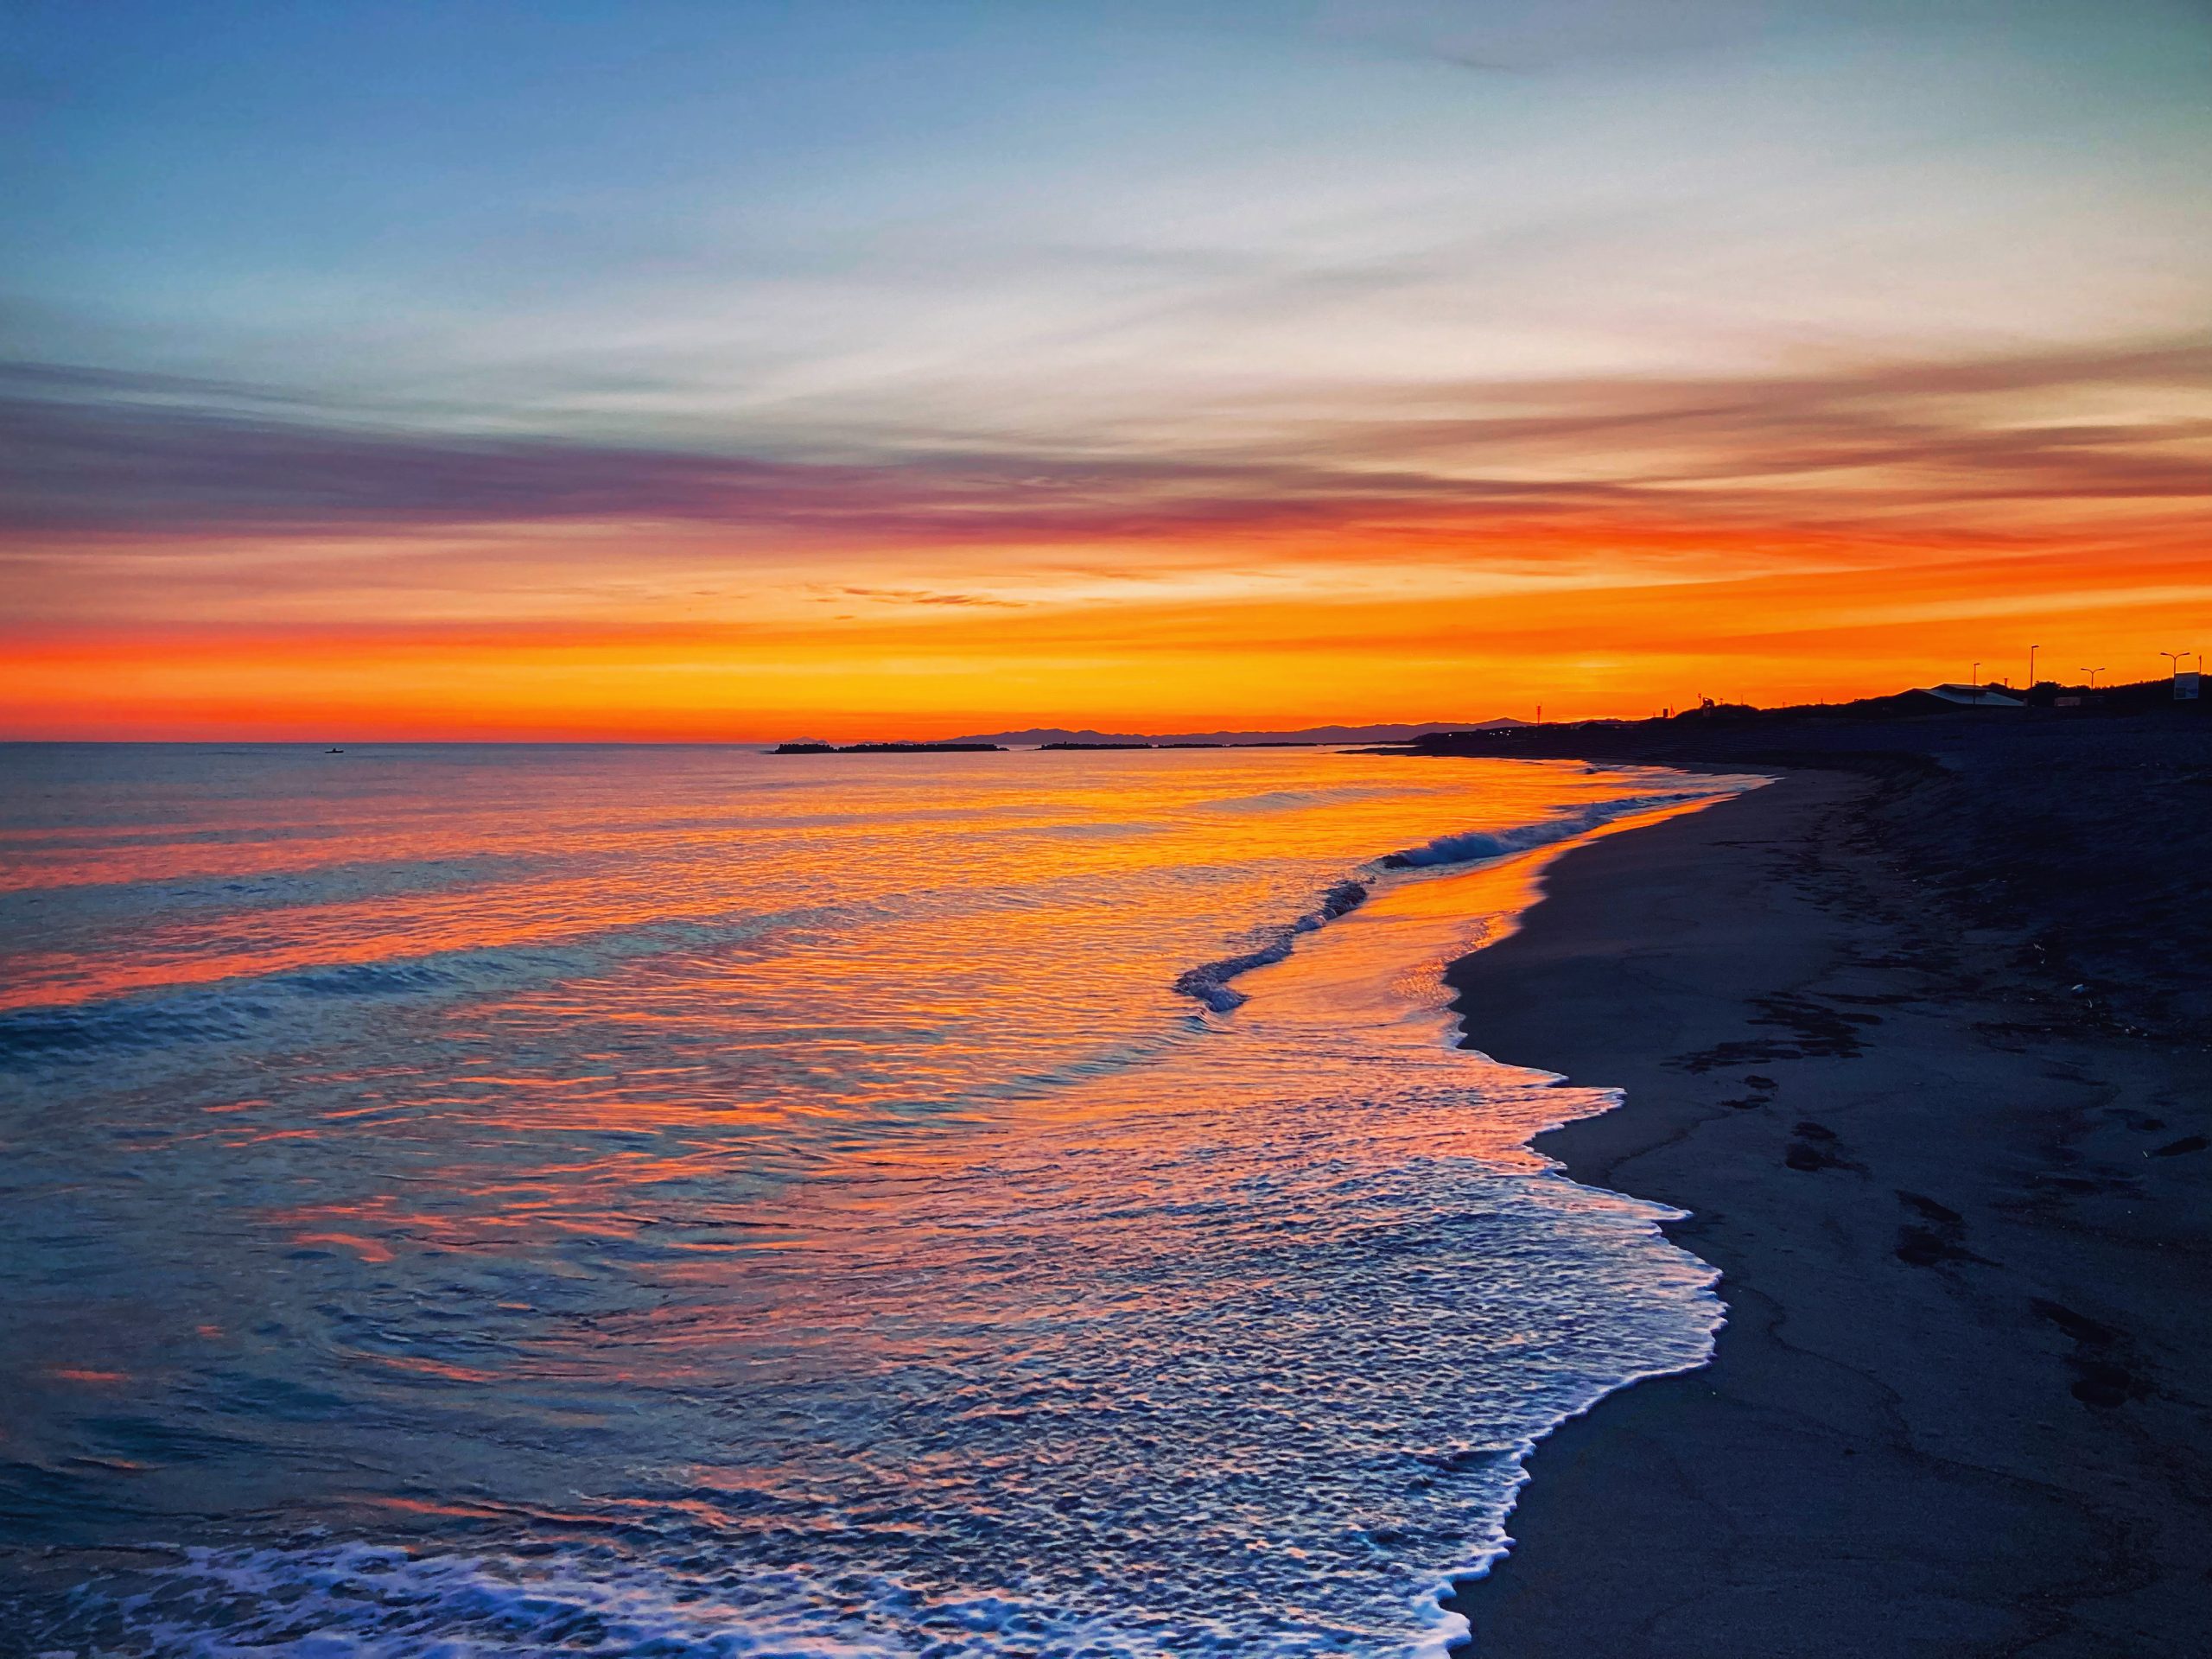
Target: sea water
x,y
683,1201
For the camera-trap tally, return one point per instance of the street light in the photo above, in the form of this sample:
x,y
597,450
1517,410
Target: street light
x,y
2093,673
2032,665
1975,680
2174,657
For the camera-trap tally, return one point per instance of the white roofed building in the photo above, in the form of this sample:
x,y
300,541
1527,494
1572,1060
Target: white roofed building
x,y
1975,696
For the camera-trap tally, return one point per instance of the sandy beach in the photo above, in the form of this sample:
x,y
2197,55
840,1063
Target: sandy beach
x,y
1959,1201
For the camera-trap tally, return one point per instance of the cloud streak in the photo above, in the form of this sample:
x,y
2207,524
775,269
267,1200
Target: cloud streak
x,y
91,452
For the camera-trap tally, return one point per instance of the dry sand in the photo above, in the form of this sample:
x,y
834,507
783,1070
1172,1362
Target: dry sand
x,y
1960,1406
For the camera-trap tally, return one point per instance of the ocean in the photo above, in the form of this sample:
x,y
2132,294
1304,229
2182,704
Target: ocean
x,y
486,1200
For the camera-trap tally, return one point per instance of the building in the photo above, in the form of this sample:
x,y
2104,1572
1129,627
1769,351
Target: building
x,y
1975,696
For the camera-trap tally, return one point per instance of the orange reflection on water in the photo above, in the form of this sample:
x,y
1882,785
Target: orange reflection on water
x,y
1355,1013
825,1159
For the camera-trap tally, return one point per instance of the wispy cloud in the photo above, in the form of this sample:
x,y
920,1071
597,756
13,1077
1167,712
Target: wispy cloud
x,y
1526,39
918,596
91,451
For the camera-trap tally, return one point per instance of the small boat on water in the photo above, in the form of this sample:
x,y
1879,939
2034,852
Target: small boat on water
x,y
334,751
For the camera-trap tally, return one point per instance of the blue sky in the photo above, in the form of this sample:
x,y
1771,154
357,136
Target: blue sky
x,y
912,223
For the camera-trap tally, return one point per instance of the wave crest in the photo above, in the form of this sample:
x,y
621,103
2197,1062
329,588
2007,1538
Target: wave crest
x,y
1209,983
1479,844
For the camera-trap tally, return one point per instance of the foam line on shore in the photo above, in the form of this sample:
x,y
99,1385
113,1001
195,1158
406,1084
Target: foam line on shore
x,y
1208,982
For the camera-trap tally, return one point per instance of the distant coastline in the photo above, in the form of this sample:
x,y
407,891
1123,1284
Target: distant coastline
x,y
1054,737
887,748
1062,738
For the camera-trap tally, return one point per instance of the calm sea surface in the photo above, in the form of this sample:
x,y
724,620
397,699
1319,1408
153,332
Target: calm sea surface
x,y
481,1201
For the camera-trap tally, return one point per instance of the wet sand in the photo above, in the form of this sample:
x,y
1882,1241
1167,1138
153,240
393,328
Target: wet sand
x,y
1964,1216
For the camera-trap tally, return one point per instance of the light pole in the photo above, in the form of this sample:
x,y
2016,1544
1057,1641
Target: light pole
x,y
2093,673
1975,680
2032,665
2174,657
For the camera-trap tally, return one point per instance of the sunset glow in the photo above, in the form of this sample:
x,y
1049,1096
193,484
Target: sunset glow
x,y
725,373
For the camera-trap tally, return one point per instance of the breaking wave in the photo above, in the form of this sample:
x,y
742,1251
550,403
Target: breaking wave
x,y
1499,843
1208,982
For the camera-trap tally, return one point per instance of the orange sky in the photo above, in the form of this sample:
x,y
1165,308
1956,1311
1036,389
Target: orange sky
x,y
1148,661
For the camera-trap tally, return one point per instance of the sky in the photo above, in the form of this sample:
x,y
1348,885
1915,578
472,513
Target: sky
x,y
737,371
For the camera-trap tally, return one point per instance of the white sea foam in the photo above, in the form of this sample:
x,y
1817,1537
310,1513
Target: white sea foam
x,y
1468,847
1210,983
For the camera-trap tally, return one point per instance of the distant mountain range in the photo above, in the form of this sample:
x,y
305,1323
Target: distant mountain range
x,y
1042,734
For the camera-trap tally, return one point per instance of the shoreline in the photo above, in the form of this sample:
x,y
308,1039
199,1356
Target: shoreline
x,y
1959,1405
